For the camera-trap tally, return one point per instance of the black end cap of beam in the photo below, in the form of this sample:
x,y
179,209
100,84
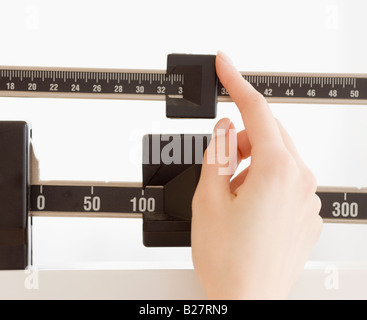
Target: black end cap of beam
x,y
14,157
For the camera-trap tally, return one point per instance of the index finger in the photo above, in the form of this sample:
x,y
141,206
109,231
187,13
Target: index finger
x,y
259,121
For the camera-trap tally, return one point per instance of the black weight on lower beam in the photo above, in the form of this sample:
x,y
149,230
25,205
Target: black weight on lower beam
x,y
179,176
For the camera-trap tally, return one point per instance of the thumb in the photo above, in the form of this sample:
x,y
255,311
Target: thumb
x,y
220,159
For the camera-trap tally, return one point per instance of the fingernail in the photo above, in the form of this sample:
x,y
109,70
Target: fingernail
x,y
222,127
225,57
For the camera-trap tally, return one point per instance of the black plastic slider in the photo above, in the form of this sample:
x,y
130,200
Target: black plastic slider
x,y
200,89
174,162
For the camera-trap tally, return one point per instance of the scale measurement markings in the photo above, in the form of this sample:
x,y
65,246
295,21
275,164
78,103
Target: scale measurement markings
x,y
89,82
337,206
156,84
349,207
310,87
96,199
344,206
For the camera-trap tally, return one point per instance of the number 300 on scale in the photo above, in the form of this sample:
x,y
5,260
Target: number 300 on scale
x,y
345,209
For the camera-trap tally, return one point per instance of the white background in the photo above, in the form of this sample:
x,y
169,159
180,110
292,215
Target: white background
x,y
100,140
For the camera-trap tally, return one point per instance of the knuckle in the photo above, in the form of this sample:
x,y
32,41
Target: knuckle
x,y
318,204
310,178
318,226
315,229
310,181
283,166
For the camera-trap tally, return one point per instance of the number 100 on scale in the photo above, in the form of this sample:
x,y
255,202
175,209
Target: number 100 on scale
x,y
143,204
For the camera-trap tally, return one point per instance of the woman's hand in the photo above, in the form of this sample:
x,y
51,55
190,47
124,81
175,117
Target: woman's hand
x,y
252,236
